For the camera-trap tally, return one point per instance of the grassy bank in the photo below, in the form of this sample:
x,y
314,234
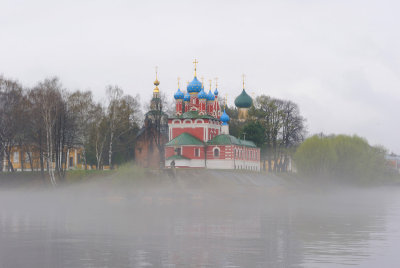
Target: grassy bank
x,y
125,173
130,175
79,175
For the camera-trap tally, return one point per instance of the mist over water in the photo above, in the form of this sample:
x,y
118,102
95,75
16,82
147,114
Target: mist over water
x,y
222,220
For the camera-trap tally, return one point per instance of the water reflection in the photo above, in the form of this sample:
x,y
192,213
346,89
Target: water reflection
x,y
175,228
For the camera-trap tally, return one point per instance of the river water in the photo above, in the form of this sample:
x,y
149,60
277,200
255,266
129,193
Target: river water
x,y
172,227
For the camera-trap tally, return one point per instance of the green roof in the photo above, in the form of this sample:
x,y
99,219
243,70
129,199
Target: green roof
x,y
177,157
248,143
243,100
225,139
194,114
184,139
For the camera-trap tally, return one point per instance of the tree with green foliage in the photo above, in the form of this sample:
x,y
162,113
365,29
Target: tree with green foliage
x,y
340,157
254,131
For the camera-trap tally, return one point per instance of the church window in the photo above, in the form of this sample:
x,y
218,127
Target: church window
x,y
197,152
216,152
178,151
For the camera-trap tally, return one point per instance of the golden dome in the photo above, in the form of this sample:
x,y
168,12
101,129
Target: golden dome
x,y
156,82
156,88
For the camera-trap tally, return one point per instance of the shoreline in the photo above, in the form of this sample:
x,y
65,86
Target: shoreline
x,y
131,176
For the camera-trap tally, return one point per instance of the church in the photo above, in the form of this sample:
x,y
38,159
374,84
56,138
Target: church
x,y
198,133
150,140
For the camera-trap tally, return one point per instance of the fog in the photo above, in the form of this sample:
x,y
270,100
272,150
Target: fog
x,y
210,219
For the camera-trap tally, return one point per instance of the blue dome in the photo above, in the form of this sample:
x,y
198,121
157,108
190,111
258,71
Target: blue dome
x,y
210,96
179,95
194,86
224,118
202,94
216,92
187,97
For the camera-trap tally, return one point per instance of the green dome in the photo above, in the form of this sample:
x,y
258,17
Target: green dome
x,y
243,100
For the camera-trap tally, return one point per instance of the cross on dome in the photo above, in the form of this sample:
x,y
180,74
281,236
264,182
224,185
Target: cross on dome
x,y
195,67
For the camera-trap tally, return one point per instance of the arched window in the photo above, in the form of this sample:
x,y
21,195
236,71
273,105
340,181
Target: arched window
x,y
216,152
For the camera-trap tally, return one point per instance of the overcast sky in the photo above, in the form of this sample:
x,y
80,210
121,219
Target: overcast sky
x,y
339,60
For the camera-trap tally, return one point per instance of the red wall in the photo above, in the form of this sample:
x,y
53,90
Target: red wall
x,y
198,132
169,151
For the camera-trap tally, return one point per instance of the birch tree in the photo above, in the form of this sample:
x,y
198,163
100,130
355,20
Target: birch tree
x,y
114,95
49,95
98,129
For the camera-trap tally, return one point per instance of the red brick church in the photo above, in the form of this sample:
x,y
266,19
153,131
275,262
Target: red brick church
x,y
198,134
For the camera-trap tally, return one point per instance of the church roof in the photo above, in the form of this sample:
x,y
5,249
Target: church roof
x,y
194,114
179,95
225,139
194,86
184,139
224,118
243,100
176,157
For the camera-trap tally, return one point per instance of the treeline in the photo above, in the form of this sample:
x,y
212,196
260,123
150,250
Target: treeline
x,y
50,120
274,125
340,158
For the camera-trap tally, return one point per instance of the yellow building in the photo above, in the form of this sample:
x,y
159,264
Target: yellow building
x,y
28,159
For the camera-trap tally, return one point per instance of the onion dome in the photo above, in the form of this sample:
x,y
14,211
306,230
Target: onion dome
x,y
187,97
243,100
202,94
194,86
225,118
156,83
179,95
216,92
210,96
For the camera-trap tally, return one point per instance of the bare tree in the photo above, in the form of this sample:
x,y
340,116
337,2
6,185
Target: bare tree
x,y
50,98
114,95
284,129
37,133
50,120
83,107
11,98
292,132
